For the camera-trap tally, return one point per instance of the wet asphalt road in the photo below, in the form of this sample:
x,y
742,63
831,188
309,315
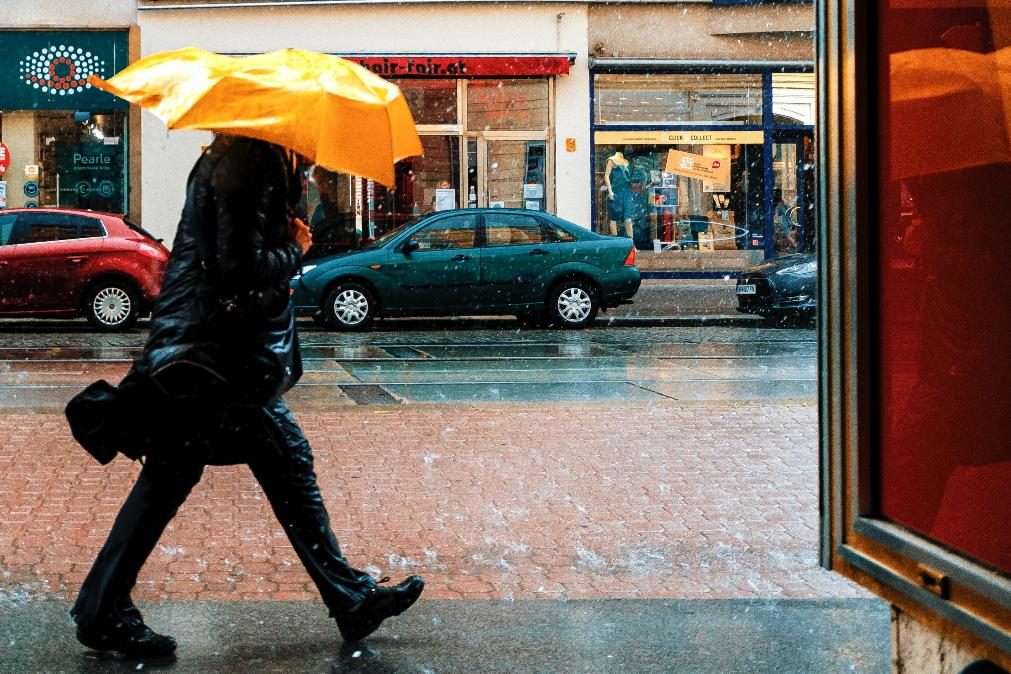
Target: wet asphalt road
x,y
42,364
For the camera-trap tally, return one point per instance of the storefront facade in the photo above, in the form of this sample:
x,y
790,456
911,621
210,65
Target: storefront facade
x,y
702,159
64,143
707,163
485,124
502,118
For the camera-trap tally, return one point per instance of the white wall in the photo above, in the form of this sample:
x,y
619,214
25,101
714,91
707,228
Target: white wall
x,y
49,14
456,28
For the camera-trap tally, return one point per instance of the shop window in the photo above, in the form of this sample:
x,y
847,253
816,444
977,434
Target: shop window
x,y
793,98
82,159
431,101
945,466
914,335
639,198
503,105
680,98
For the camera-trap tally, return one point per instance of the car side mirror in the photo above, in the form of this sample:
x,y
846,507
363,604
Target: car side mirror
x,y
412,244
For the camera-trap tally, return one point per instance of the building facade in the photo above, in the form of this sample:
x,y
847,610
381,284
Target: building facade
x,y
523,107
499,106
63,142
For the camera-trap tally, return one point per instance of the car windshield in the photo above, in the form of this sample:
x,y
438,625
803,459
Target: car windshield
x,y
389,236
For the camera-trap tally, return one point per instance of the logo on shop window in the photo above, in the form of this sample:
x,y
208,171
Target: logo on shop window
x,y
60,70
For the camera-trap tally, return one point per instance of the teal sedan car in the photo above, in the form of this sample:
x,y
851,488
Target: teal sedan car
x,y
475,261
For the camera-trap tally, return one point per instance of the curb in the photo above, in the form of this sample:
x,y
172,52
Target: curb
x,y
741,320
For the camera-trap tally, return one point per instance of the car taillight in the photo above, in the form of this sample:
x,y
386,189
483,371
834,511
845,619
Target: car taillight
x,y
151,251
630,260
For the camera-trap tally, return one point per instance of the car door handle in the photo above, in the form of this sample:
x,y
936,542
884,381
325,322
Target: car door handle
x,y
77,259
538,251
461,257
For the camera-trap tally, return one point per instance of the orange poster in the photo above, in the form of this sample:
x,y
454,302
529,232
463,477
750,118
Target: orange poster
x,y
711,169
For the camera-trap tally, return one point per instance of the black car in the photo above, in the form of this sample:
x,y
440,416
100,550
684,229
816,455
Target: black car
x,y
780,287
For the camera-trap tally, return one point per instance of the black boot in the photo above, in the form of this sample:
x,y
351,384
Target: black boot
x,y
364,618
126,633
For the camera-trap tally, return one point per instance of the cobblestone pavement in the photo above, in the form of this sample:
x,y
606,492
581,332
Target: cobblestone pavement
x,y
672,499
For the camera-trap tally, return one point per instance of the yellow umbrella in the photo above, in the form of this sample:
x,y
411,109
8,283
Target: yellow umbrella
x,y
948,110
325,108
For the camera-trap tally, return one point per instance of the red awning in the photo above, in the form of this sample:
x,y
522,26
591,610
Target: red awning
x,y
465,65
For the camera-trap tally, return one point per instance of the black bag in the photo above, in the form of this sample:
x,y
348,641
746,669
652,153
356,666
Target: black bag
x,y
140,418
102,422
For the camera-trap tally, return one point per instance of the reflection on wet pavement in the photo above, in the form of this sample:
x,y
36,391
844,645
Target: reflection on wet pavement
x,y
468,364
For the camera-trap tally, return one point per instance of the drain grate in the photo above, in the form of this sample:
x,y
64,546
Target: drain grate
x,y
370,394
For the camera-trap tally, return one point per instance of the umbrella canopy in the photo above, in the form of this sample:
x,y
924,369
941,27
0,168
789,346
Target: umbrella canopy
x,y
949,110
325,108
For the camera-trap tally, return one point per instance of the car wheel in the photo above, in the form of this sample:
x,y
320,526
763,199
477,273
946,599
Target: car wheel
x,y
111,305
349,306
573,304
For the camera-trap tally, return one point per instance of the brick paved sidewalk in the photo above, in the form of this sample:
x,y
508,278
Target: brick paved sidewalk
x,y
671,500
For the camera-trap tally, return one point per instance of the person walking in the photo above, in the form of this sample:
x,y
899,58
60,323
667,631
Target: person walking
x,y
221,351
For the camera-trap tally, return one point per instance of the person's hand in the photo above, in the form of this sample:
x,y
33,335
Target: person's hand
x,y
300,233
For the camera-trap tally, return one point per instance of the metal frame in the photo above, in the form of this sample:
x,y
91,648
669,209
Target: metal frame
x,y
882,556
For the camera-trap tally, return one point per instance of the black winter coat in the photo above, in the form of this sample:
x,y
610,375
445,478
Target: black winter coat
x,y
226,283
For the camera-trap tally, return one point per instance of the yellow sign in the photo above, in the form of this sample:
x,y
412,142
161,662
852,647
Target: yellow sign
x,y
679,137
712,169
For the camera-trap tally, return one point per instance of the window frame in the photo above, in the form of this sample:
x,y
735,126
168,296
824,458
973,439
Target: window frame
x,y
538,222
13,231
935,585
449,218
24,223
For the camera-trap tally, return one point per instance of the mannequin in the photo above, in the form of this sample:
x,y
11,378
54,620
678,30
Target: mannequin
x,y
620,202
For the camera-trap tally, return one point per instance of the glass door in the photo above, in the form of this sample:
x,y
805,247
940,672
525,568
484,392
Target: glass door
x,y
507,173
793,191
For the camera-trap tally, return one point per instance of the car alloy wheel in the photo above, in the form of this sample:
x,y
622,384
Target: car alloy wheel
x,y
349,306
574,304
111,306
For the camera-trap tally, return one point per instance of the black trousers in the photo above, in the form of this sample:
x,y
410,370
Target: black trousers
x,y
279,455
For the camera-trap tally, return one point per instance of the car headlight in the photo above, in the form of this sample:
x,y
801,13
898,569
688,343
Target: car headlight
x,y
800,269
305,268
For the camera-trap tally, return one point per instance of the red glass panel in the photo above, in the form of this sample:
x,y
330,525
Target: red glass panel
x,y
944,235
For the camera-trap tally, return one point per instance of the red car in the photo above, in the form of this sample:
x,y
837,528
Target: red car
x,y
58,263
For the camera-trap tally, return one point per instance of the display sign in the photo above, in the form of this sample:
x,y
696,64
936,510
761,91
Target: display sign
x,y
717,152
712,169
93,171
5,159
48,70
445,199
3,194
511,65
32,171
679,137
